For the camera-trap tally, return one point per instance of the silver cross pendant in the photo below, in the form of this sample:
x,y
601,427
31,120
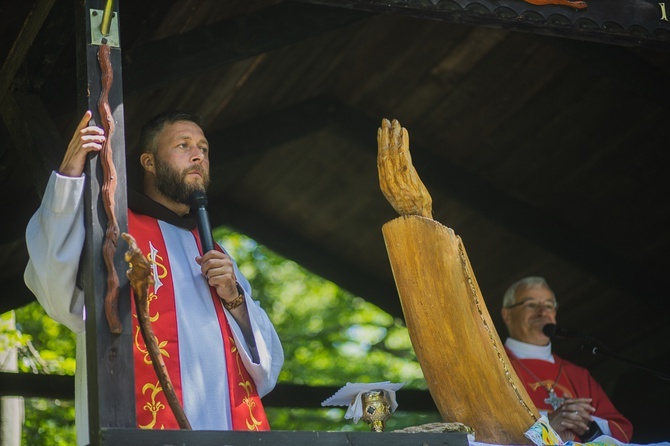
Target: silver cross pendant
x,y
553,400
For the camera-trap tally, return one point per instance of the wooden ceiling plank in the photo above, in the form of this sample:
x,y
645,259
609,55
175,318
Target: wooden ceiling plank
x,y
632,72
164,61
22,44
276,128
426,90
51,40
458,83
315,59
520,76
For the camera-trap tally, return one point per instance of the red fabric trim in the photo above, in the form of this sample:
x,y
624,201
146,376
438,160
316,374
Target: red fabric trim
x,y
246,408
152,409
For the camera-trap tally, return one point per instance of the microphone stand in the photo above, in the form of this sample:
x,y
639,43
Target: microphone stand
x,y
598,347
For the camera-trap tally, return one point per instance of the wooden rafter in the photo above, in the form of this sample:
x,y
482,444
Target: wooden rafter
x,y
177,57
24,40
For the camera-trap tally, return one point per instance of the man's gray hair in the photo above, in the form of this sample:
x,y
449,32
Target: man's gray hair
x,y
525,283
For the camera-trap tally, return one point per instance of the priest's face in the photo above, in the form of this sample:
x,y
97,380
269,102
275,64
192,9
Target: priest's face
x,y
533,309
181,161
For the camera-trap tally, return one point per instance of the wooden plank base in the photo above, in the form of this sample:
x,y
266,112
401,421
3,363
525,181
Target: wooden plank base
x,y
132,437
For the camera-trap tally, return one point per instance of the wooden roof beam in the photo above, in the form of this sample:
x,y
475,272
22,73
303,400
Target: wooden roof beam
x,y
161,62
624,23
22,44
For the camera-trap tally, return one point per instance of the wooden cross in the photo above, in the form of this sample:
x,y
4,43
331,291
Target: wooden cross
x,y
111,397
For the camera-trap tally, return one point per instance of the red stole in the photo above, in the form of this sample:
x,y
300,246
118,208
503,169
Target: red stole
x,y
538,376
152,409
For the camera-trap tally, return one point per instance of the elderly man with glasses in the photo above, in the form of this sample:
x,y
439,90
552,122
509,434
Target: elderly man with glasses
x,y
576,405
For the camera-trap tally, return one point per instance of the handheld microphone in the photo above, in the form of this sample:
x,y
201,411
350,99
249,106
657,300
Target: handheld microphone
x,y
198,201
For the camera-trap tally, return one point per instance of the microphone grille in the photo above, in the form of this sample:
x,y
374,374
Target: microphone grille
x,y
550,330
198,199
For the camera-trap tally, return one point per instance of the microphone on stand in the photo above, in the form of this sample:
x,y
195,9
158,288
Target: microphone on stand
x,y
554,331
198,201
597,347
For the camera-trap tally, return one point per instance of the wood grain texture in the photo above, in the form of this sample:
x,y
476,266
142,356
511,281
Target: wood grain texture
x,y
466,368
108,189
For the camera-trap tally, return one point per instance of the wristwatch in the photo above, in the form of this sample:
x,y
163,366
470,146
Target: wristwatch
x,y
239,300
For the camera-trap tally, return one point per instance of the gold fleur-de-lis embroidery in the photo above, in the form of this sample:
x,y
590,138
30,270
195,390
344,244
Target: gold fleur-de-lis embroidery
x,y
252,423
141,347
152,406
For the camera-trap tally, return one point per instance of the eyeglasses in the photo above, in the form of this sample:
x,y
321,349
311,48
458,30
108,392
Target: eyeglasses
x,y
533,305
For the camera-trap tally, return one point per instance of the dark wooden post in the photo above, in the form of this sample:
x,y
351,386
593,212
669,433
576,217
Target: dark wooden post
x,y
109,356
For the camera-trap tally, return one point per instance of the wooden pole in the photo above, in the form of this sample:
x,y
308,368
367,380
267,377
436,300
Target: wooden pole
x,y
109,355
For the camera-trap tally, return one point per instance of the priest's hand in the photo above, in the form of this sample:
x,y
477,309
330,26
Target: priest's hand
x,y
217,268
572,418
86,139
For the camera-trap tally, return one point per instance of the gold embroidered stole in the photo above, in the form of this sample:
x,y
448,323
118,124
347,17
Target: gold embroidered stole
x,y
152,409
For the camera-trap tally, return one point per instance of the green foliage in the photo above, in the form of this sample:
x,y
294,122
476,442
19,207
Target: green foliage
x,y
49,423
43,346
54,342
330,337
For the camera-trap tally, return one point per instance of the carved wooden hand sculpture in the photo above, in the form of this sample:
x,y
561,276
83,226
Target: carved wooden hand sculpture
x,y
398,179
462,357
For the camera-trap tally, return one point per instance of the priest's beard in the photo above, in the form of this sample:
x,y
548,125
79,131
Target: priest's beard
x,y
171,183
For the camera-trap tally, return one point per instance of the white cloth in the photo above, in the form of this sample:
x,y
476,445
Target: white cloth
x,y
55,238
351,395
530,351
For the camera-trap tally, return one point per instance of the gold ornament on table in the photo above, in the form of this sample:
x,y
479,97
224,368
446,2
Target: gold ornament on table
x,y
376,409
373,402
